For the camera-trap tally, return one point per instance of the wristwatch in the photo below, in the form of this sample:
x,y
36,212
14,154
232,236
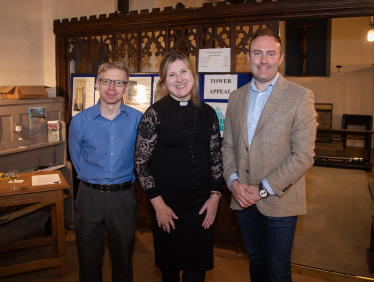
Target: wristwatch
x,y
263,192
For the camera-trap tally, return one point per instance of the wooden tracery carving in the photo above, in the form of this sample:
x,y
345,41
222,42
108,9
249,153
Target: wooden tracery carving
x,y
101,46
184,39
216,36
156,37
77,50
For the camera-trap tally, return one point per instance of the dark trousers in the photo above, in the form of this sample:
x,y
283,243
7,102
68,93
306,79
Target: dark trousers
x,y
268,241
97,212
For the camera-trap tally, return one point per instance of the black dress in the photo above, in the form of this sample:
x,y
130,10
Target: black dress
x,y
178,156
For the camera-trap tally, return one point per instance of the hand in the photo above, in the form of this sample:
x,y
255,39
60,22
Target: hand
x,y
164,214
242,192
255,196
211,206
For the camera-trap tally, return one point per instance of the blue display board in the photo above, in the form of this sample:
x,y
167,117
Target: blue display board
x,y
219,105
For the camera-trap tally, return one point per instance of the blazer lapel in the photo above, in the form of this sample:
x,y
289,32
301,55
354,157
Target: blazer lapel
x,y
243,110
275,98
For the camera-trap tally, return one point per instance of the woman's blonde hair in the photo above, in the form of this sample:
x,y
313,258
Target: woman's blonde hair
x,y
164,67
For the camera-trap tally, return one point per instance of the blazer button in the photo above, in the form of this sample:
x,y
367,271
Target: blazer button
x,y
247,171
246,148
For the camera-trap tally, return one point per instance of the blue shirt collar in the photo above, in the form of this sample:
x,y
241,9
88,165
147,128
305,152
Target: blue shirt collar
x,y
98,113
254,88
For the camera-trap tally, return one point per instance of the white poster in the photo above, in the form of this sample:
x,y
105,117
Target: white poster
x,y
219,86
139,94
220,109
83,94
214,60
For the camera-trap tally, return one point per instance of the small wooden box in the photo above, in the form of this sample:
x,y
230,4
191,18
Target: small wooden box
x,y
23,92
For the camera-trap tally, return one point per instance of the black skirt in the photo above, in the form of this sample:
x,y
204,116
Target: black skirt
x,y
189,246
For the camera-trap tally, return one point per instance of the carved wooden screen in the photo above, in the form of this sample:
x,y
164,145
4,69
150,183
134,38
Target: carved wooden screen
x,y
138,38
135,48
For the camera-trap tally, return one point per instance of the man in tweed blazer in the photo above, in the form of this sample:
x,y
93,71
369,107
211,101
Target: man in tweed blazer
x,y
268,145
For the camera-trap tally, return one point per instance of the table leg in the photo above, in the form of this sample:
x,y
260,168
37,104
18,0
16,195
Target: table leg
x,y
61,242
54,228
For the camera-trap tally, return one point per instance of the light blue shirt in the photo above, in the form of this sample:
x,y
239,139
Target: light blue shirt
x,y
256,104
102,150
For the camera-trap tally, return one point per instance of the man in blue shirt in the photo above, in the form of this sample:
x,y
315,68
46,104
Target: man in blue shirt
x,y
102,144
268,145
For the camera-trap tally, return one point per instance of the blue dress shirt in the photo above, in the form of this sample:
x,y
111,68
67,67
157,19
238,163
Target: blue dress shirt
x,y
102,150
256,104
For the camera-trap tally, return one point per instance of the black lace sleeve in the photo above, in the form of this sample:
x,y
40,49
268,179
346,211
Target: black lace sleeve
x,y
216,156
146,139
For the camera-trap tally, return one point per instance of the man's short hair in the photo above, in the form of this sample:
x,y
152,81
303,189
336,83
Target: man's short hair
x,y
266,32
112,65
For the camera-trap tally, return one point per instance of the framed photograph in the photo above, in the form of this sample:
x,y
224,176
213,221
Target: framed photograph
x,y
82,92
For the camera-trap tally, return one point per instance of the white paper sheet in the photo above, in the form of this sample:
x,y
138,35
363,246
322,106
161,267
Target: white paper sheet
x,y
46,179
214,60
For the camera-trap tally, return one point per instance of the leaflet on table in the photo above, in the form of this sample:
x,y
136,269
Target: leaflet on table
x,y
46,179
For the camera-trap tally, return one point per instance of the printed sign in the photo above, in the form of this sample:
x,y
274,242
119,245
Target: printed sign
x,y
220,86
214,60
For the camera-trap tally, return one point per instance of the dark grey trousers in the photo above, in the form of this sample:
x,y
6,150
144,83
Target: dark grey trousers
x,y
96,213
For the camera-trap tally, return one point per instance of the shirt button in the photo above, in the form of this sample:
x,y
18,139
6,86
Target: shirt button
x,y
111,169
192,156
191,146
253,125
112,154
250,142
112,138
258,108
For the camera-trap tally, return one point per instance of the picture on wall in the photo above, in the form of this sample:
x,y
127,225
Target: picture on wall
x,y
139,94
83,90
220,109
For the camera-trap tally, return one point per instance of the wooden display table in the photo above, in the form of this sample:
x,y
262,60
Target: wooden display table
x,y
28,194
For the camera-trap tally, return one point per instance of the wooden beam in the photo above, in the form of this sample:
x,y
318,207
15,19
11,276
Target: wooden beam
x,y
281,10
28,266
18,245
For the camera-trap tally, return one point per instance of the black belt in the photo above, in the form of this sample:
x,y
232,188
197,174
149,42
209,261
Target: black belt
x,y
110,187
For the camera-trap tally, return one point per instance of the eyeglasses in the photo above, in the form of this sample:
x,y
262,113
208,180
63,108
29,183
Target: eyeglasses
x,y
117,83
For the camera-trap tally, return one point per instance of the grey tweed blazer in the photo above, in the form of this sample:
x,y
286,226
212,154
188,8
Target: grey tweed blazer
x,y
282,148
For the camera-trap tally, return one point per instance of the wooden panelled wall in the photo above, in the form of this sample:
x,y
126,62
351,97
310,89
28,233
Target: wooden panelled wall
x,y
133,37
